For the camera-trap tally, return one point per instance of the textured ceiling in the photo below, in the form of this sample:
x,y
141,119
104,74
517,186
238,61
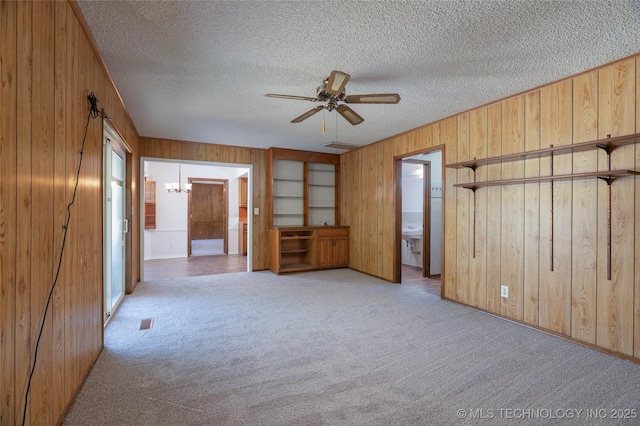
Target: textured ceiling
x,y
198,71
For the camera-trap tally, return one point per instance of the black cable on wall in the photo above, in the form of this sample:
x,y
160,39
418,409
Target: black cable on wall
x,y
93,113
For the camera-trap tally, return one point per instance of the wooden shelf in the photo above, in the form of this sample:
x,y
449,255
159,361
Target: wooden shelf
x,y
287,180
296,237
607,175
608,145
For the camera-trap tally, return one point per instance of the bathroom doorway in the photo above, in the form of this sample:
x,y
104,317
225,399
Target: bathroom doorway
x,y
419,215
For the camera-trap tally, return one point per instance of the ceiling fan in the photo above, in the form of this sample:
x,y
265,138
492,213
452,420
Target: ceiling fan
x,y
331,92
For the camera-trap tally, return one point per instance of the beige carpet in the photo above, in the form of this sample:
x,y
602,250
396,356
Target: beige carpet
x,y
207,247
337,348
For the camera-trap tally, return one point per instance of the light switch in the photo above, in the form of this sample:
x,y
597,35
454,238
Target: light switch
x,y
256,211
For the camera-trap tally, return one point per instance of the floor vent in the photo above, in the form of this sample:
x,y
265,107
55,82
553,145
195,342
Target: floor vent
x,y
146,324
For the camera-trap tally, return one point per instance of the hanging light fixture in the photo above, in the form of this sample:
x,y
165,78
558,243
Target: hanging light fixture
x,y
175,187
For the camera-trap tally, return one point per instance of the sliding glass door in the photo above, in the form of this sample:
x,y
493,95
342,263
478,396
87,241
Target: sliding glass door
x,y
115,226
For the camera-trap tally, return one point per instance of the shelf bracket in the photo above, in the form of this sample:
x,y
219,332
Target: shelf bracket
x,y
551,215
609,180
474,222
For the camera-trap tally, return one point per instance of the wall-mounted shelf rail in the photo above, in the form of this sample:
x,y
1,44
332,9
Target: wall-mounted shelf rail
x,y
608,145
607,176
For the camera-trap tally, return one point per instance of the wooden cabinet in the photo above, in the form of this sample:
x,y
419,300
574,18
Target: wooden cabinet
x,y
243,191
149,204
242,238
292,249
332,247
295,249
303,188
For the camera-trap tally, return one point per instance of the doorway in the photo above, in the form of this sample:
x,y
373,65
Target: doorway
x,y
165,246
207,227
115,224
419,216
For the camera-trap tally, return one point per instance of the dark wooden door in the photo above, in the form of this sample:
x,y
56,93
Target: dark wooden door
x,y
207,211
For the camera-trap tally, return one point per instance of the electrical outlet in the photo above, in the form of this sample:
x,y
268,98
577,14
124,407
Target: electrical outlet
x,y
504,291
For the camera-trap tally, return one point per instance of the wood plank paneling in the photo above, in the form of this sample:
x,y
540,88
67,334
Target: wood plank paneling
x,y
449,138
494,210
388,198
8,212
512,223
425,141
23,351
42,229
60,395
636,327
463,214
531,210
616,117
47,69
369,202
478,145
584,211
556,125
401,145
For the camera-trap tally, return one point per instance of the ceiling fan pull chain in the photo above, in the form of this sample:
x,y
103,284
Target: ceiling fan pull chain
x,y
324,123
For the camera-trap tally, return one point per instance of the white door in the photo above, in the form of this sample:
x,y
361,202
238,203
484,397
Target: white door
x,y
115,226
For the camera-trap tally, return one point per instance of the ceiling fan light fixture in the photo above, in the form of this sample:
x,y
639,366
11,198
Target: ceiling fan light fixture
x,y
332,92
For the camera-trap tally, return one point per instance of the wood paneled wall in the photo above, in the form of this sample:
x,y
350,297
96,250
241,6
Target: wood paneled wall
x,y
556,271
47,70
258,158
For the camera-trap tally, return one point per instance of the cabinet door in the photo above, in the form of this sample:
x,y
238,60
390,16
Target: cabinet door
x,y
325,252
341,251
242,192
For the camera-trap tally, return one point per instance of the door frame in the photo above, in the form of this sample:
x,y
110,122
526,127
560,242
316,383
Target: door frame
x,y
225,220
426,240
122,148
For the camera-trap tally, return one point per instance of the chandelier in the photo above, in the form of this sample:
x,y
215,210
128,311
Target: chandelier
x,y
175,187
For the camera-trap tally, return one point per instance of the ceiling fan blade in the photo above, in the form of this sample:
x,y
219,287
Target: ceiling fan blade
x,y
350,115
307,114
299,98
336,82
382,98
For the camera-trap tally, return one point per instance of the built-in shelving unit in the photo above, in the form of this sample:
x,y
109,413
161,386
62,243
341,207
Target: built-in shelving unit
x,y
322,193
288,193
304,188
607,145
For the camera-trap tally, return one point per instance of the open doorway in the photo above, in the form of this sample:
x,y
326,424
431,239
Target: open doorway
x,y
419,217
207,230
167,243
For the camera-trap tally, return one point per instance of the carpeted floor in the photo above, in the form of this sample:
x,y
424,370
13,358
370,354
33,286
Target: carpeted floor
x,y
207,247
337,348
